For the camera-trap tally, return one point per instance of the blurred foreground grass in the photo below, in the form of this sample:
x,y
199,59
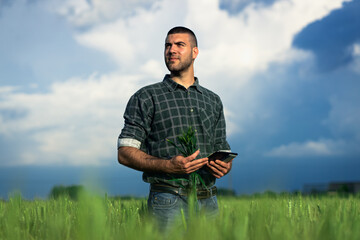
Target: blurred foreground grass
x,y
93,217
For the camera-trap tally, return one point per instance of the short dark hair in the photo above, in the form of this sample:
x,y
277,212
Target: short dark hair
x,y
180,29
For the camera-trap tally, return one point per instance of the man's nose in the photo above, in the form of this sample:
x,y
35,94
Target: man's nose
x,y
172,49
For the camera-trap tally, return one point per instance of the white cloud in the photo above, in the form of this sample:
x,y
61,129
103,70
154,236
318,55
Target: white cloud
x,y
153,68
84,13
136,40
322,147
355,66
231,122
356,49
236,45
76,122
7,90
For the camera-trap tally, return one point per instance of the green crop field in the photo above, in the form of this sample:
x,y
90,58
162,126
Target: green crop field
x,y
256,217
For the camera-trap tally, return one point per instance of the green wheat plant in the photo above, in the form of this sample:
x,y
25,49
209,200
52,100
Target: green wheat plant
x,y
187,142
187,146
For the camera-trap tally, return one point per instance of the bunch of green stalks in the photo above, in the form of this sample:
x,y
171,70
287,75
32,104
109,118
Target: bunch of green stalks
x,y
187,146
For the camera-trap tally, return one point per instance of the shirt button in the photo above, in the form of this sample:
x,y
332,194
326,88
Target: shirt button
x,y
191,110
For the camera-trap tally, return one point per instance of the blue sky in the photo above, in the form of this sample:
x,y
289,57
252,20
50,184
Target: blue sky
x,y
287,71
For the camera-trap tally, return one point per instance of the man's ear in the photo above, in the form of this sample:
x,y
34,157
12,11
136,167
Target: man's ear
x,y
195,52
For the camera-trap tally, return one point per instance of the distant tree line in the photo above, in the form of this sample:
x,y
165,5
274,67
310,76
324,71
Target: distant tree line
x,y
73,191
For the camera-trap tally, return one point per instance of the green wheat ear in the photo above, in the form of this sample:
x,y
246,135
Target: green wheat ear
x,y
187,142
188,146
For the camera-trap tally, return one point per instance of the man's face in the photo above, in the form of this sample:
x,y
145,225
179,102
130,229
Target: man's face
x,y
179,53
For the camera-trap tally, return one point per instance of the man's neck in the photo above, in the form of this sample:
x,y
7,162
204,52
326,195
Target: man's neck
x,y
185,79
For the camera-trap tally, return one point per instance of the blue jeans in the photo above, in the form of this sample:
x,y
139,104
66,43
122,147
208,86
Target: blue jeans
x,y
166,207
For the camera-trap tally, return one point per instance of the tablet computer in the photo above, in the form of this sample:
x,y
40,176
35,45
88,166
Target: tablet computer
x,y
222,155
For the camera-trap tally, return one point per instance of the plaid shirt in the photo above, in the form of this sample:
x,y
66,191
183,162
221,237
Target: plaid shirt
x,y
166,109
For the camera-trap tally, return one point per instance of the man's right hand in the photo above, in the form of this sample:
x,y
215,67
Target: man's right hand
x,y
180,164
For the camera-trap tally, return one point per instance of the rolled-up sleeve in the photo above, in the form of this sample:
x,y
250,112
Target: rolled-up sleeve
x,y
137,116
128,142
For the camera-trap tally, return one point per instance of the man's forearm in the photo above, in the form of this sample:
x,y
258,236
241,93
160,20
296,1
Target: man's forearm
x,y
139,160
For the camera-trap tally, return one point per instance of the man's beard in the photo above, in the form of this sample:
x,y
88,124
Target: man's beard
x,y
183,65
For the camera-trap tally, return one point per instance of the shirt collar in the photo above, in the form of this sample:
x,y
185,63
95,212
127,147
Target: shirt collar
x,y
172,85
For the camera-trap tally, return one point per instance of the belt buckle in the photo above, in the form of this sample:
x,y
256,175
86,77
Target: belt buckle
x,y
206,193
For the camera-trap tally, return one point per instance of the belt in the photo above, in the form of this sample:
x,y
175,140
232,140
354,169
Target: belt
x,y
201,193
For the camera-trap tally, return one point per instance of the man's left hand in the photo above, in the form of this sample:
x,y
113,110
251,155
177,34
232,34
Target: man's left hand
x,y
219,168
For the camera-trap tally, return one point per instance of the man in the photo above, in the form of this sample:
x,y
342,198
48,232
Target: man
x,y
163,111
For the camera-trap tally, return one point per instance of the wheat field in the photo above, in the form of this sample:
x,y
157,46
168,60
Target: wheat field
x,y
253,217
